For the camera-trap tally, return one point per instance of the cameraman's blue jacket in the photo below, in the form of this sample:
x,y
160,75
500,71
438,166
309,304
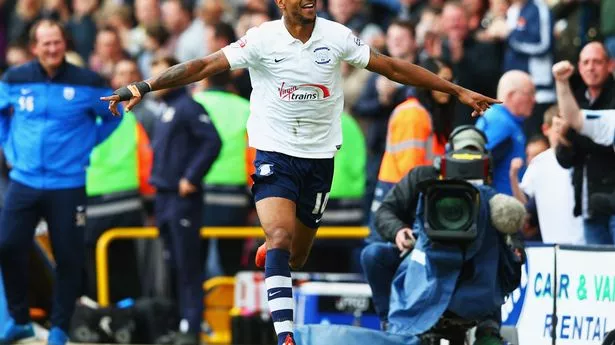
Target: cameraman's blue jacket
x,y
49,126
429,281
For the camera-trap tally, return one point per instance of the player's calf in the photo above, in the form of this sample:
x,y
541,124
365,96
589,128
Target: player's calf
x,y
297,261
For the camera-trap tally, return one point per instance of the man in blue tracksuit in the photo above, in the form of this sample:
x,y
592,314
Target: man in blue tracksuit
x,y
50,119
185,144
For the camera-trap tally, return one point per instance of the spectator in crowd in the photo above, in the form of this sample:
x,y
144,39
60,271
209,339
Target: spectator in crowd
x,y
119,18
417,132
26,13
147,13
117,180
82,27
219,36
5,12
607,26
379,98
156,38
476,10
577,22
227,202
549,184
349,13
107,52
184,31
503,125
17,54
536,145
531,227
529,48
593,164
185,146
599,226
57,120
127,71
464,52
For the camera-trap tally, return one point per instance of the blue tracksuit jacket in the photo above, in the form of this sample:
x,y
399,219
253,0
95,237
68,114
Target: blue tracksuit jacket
x,y
49,126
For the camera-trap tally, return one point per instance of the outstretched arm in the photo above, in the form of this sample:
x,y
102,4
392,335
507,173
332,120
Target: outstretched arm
x,y
568,107
410,74
178,75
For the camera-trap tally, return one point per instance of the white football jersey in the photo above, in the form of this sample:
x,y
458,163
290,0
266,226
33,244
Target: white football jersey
x,y
297,99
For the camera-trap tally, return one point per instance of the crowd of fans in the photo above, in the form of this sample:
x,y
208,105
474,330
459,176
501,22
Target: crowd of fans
x,y
472,42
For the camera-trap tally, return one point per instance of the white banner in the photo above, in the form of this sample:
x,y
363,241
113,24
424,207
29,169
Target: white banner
x,y
585,297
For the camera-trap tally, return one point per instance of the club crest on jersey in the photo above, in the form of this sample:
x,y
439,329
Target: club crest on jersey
x,y
358,41
240,43
69,93
303,92
322,56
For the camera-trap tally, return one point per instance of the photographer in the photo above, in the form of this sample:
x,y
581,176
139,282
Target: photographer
x,y
395,220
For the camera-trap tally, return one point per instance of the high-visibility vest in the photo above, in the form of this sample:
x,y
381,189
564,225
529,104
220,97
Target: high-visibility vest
x,y
410,141
349,163
122,162
229,113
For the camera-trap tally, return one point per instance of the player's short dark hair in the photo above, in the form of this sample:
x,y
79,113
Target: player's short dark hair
x,y
164,58
48,22
226,31
406,24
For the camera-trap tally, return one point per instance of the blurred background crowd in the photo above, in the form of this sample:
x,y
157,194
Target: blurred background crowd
x,y
471,42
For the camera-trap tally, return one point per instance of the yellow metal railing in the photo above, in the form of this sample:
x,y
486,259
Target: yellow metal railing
x,y
102,268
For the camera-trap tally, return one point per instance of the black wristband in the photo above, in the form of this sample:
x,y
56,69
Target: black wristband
x,y
143,87
125,93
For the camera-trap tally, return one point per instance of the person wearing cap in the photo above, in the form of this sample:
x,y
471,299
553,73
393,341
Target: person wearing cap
x,y
394,221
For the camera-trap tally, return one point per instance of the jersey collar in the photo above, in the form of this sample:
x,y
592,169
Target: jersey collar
x,y
289,39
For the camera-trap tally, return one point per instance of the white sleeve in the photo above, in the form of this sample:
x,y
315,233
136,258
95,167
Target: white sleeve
x,y
356,52
599,126
528,180
244,52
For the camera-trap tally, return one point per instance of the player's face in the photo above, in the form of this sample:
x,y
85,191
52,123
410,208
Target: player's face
x,y
299,11
50,46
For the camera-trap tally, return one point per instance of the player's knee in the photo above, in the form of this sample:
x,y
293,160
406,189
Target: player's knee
x,y
279,238
297,262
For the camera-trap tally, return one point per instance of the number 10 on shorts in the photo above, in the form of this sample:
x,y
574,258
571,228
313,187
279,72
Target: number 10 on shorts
x,y
320,204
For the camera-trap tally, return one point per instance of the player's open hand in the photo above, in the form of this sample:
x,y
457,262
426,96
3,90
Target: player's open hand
x,y
478,102
131,93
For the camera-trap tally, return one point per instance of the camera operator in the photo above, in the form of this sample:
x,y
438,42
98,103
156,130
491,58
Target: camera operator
x,y
396,218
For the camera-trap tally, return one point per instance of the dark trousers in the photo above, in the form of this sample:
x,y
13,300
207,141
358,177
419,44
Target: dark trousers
x,y
64,211
380,261
226,206
179,222
115,210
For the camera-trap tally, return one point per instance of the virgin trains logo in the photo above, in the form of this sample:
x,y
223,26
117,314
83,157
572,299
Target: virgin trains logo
x,y
303,92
